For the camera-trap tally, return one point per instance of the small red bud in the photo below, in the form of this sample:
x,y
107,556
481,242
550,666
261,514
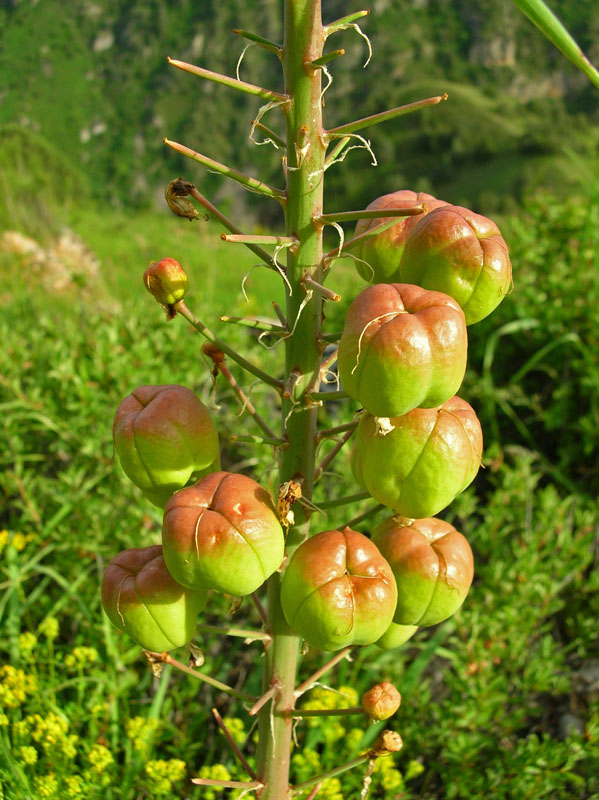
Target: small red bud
x,y
381,702
166,281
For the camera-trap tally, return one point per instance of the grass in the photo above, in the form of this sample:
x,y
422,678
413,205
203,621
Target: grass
x,y
485,695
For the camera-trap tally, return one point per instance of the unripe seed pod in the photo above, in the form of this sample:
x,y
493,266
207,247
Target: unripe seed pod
x,y
432,564
164,437
166,281
384,250
395,636
222,533
381,701
402,347
463,254
422,460
338,590
141,598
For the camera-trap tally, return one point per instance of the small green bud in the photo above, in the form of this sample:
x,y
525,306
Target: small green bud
x,y
166,281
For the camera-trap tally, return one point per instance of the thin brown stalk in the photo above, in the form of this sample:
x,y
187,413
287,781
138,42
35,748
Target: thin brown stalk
x,y
328,294
332,454
309,682
266,697
233,744
223,687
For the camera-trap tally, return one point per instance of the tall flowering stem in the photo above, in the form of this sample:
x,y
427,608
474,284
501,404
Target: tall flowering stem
x,y
306,149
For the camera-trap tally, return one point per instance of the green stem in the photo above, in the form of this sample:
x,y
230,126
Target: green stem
x,y
384,116
226,222
270,134
337,150
309,682
324,712
258,238
182,309
344,501
252,322
257,440
253,184
225,80
265,43
304,39
223,687
328,395
239,632
331,773
320,62
374,213
341,23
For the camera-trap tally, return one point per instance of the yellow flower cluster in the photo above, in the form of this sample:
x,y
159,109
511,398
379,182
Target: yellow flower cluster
x,y
75,788
141,732
80,658
306,764
27,643
49,628
15,686
217,772
236,729
163,774
27,755
52,733
46,786
17,540
100,758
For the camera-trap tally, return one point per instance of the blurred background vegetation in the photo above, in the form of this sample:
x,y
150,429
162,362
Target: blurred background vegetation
x,y
501,701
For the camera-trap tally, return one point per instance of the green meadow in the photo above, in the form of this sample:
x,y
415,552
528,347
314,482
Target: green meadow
x,y
501,702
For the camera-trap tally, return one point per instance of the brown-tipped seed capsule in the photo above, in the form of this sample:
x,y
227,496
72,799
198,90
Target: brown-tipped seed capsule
x,y
463,254
141,598
166,281
432,564
222,533
164,437
338,590
418,463
382,252
381,701
402,347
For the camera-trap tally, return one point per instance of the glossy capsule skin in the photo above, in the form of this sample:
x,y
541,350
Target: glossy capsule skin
x,y
433,567
338,590
222,533
422,460
402,347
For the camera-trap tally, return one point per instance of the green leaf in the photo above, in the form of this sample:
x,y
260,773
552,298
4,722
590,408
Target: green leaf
x,y
546,21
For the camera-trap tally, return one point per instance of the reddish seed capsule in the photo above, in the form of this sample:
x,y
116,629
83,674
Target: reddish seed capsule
x,y
423,461
222,533
338,590
141,598
381,701
382,252
402,347
164,437
433,566
463,254
166,281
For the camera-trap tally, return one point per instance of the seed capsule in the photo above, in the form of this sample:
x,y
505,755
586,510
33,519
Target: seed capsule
x,y
338,590
432,564
222,533
164,437
141,598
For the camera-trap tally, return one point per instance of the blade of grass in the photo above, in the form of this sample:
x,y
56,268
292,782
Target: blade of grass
x,y
550,26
